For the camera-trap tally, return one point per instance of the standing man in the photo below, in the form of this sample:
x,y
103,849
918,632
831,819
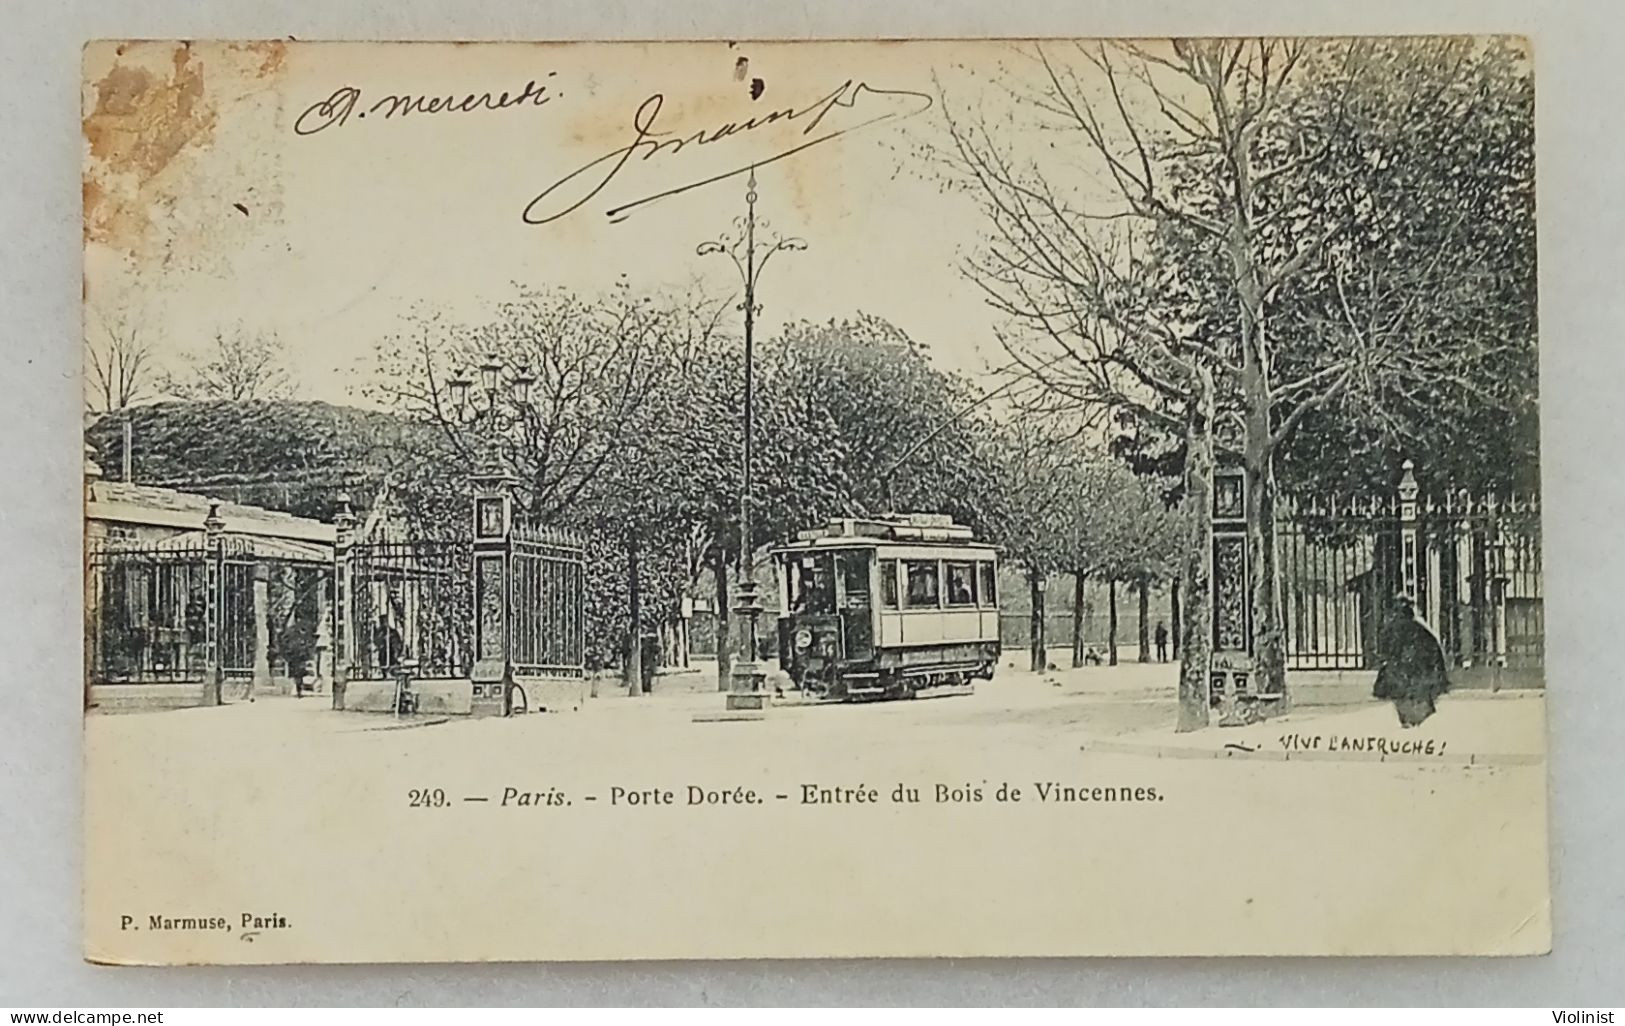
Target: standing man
x,y
386,645
1162,642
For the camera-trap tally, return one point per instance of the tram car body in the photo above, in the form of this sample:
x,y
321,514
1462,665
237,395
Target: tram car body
x,y
890,607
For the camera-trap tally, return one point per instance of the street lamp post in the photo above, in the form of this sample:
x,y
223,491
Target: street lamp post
x,y
493,487
745,690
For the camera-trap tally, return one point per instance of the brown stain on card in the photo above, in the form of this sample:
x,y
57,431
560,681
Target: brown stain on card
x,y
273,53
143,117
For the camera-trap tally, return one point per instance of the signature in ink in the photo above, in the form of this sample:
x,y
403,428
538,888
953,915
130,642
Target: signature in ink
x,y
346,101
575,189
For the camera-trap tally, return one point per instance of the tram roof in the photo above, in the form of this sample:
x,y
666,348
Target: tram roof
x,y
887,530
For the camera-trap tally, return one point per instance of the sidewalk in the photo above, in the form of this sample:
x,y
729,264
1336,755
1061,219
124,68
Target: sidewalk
x,y
1466,730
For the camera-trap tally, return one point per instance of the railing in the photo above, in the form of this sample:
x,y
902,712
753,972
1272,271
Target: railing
x,y
1472,565
411,601
548,633
146,614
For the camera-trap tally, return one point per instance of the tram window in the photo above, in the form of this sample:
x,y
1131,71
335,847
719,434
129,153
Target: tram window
x,y
854,579
961,585
924,584
813,586
990,583
888,583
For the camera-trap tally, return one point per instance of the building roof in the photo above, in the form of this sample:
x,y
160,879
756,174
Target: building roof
x,y
120,502
258,546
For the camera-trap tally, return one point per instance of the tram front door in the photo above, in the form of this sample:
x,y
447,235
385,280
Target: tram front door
x,y
855,601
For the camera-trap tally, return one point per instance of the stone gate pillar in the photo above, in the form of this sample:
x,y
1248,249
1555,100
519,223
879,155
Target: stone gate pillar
x,y
261,677
492,565
321,669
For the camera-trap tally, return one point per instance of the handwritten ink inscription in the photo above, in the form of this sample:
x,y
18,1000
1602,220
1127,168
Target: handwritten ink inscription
x,y
819,120
650,140
1383,746
345,103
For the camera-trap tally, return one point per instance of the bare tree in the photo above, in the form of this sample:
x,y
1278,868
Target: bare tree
x,y
1216,242
1076,283
236,365
118,366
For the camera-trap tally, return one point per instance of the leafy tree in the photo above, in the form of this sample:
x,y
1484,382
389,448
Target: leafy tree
x,y
1044,485
857,420
600,442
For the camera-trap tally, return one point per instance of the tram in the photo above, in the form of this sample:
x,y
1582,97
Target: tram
x,y
889,607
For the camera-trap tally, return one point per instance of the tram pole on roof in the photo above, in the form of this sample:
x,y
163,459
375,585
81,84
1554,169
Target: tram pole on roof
x,y
745,687
1025,373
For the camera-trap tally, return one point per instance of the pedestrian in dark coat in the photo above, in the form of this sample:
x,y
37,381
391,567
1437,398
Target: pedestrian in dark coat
x,y
1412,671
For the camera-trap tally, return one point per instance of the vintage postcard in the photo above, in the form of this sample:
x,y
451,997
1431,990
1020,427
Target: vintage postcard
x,y
726,500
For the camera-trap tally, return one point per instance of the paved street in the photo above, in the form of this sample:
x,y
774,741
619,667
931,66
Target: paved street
x,y
296,788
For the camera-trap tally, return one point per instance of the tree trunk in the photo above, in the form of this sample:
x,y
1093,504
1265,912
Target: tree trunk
x,y
1173,615
1039,644
1111,622
1144,588
1193,634
633,663
1079,617
719,570
1269,663
1269,647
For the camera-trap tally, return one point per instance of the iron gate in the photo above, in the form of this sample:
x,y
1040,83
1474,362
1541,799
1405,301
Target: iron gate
x,y
411,601
1477,578
548,632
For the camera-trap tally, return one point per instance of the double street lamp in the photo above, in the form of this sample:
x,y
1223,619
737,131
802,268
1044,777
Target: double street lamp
x,y
491,373
749,258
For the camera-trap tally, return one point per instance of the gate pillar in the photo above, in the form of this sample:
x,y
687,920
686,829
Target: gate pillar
x,y
262,629
492,565
214,535
1495,561
1411,581
1231,687
343,628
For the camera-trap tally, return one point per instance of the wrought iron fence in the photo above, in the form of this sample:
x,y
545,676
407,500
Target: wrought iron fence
x,y
146,613
148,606
238,623
1477,577
411,600
548,632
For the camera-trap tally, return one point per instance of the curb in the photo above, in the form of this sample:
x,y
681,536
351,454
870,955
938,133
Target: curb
x,y
403,726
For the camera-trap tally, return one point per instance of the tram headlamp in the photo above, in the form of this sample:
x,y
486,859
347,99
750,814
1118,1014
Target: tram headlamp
x,y
803,639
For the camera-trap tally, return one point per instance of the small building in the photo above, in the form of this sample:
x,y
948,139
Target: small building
x,y
152,555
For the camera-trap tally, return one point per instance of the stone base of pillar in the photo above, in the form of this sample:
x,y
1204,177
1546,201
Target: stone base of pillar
x,y
1244,710
745,687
